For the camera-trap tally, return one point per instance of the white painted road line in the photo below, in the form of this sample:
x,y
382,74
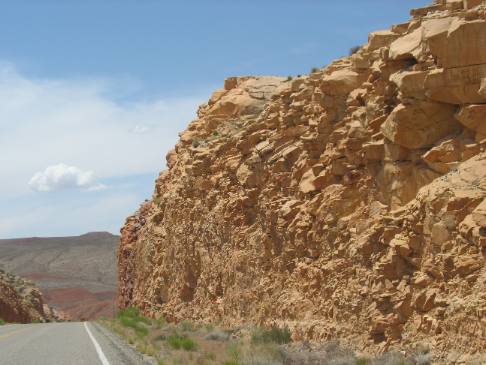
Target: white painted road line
x,y
97,346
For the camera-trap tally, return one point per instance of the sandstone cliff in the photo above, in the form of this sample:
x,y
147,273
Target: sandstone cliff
x,y
349,203
21,302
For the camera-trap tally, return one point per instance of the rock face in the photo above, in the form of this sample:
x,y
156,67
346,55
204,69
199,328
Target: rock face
x,y
21,302
347,204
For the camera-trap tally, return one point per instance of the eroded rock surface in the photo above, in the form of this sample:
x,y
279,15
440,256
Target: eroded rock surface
x,y
347,204
21,302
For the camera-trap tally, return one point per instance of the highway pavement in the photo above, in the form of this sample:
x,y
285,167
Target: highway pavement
x,y
69,343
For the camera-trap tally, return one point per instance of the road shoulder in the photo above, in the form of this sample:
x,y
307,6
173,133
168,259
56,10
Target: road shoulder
x,y
116,349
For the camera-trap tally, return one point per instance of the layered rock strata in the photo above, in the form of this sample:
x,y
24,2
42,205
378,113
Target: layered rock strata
x,y
349,203
21,302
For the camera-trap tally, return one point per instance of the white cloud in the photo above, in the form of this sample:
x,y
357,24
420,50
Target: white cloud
x,y
43,121
62,177
141,129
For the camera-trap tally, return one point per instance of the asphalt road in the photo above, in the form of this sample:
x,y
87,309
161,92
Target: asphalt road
x,y
69,343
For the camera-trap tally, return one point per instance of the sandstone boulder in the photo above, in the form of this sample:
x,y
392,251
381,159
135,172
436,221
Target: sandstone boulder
x,y
444,157
408,46
464,44
419,12
454,5
469,4
473,117
341,82
479,214
248,98
482,90
381,38
435,33
459,85
420,124
410,83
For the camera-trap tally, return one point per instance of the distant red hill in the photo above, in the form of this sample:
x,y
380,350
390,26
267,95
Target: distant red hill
x,y
76,274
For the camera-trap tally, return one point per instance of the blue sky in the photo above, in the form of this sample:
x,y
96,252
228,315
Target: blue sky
x,y
93,93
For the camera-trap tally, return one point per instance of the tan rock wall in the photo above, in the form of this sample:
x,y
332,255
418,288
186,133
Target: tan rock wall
x,y
346,204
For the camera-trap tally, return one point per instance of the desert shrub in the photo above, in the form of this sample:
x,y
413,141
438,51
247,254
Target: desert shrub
x,y
217,335
267,354
422,355
314,69
178,342
392,358
234,351
157,200
187,326
208,327
129,312
272,335
362,361
289,78
209,356
141,331
330,353
133,314
354,49
422,359
131,318
160,322
478,361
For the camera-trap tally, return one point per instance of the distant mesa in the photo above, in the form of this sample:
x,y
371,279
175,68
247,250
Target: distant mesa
x,y
77,275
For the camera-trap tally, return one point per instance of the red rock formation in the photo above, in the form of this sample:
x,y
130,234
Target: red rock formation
x,y
347,204
21,302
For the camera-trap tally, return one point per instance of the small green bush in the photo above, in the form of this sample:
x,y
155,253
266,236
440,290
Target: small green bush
x,y
160,322
181,342
354,49
209,327
217,335
130,317
210,356
314,69
392,358
129,312
289,78
362,361
2,322
187,326
234,351
272,335
141,331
